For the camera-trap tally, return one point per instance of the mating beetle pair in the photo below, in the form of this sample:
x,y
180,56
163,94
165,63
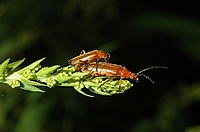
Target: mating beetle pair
x,y
96,62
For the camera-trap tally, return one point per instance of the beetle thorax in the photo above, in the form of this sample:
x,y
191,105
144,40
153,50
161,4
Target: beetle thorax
x,y
125,73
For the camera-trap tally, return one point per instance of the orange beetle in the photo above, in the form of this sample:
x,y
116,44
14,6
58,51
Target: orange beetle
x,y
114,70
86,58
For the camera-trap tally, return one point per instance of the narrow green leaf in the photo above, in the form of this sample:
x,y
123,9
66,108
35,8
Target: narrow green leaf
x,y
78,90
62,79
94,87
14,65
31,66
79,74
3,67
76,75
47,70
29,82
31,88
98,91
77,87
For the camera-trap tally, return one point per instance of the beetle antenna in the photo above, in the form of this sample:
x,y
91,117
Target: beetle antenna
x,y
138,74
150,68
146,77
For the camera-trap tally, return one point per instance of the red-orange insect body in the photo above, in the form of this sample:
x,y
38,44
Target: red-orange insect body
x,y
108,69
92,56
114,70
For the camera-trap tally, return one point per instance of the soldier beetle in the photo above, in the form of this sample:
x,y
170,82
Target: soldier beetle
x,y
92,56
114,70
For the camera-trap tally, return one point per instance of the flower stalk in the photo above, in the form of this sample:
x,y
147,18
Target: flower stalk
x,y
34,76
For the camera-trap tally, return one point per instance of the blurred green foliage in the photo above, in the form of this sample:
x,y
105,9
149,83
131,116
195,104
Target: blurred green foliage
x,y
136,34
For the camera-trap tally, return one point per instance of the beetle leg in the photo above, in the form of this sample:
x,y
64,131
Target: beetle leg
x,y
82,52
120,82
108,80
96,65
77,67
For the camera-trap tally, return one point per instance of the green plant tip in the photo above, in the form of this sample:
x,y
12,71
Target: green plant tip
x,y
34,76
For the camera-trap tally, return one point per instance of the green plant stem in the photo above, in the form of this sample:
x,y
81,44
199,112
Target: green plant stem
x,y
34,76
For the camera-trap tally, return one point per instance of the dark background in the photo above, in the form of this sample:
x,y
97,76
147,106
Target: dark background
x,y
137,34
